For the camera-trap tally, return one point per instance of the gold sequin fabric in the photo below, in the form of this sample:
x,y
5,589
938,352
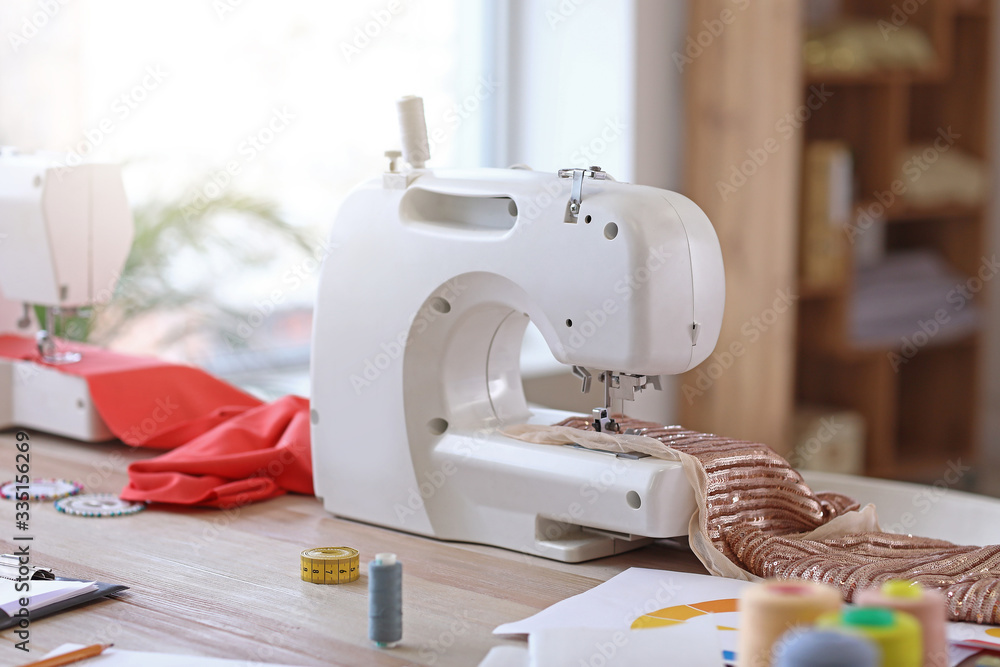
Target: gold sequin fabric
x,y
757,504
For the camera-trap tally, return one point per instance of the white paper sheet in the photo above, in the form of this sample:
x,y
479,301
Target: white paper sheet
x,y
692,644
43,592
618,602
974,634
114,657
506,656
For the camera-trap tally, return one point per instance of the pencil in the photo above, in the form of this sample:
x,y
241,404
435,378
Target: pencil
x,y
71,657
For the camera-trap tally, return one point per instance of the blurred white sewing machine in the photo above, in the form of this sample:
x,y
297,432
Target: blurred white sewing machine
x,y
421,312
64,236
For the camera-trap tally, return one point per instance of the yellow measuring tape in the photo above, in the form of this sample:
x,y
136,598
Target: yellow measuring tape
x,y
330,565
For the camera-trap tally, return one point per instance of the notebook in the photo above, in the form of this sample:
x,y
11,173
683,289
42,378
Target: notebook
x,y
40,593
48,594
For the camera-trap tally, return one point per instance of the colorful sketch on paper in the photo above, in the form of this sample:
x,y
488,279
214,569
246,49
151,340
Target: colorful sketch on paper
x,y
726,613
683,612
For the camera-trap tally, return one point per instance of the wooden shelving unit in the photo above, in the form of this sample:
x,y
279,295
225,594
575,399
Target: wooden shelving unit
x,y
925,413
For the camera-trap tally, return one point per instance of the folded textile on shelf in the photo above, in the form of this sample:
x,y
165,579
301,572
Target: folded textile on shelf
x,y
934,176
892,298
861,46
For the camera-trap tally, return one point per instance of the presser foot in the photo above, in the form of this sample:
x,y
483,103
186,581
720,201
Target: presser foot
x,y
617,386
603,421
51,354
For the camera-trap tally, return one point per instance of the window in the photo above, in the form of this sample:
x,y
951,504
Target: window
x,y
292,103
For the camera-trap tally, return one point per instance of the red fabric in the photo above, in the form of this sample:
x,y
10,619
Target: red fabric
x,y
228,447
253,456
144,401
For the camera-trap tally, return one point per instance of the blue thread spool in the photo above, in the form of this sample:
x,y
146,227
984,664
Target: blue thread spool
x,y
385,600
825,648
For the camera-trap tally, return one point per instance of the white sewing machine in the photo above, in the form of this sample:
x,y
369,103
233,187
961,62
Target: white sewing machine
x,y
422,308
64,236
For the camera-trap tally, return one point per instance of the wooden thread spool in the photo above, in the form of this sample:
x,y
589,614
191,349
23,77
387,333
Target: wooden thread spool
x,y
770,609
927,606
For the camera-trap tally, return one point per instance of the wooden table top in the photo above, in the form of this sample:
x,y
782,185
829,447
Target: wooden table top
x,y
226,584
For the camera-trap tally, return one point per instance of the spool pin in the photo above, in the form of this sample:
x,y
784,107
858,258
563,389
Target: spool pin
x,y
413,130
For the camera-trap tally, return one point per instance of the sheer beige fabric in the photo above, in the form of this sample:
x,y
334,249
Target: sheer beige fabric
x,y
756,518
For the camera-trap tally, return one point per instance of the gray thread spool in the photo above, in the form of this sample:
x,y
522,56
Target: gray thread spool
x,y
385,600
824,648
